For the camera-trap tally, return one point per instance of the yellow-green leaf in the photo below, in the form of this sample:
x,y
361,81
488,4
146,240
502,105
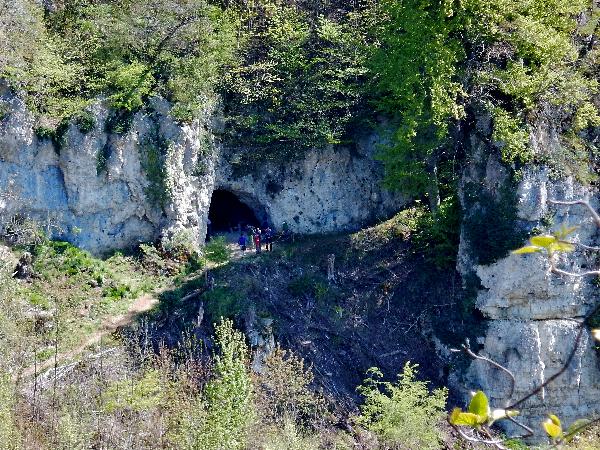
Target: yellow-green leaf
x,y
555,420
561,246
479,405
564,231
527,249
543,241
552,427
465,419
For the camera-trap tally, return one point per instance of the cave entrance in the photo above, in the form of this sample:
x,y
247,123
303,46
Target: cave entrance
x,y
228,211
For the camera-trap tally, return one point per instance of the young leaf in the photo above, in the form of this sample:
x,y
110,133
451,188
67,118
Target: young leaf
x,y
564,231
479,405
465,419
561,246
552,427
527,249
543,241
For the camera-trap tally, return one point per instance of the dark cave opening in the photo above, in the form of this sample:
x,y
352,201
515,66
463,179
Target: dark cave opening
x,y
227,211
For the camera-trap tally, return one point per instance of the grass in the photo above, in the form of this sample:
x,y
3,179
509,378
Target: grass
x,y
79,291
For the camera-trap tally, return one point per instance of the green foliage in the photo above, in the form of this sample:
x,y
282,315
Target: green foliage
x,y
549,244
85,121
434,60
479,413
83,49
223,302
217,250
64,258
437,234
299,85
511,136
415,62
221,419
404,414
131,84
303,285
142,394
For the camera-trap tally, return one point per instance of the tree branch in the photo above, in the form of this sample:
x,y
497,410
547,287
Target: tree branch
x,y
585,203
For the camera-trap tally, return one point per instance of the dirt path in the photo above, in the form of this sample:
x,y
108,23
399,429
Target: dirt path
x,y
110,325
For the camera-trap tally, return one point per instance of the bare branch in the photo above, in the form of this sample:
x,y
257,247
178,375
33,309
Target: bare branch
x,y
557,374
529,431
591,210
558,271
496,442
585,247
467,349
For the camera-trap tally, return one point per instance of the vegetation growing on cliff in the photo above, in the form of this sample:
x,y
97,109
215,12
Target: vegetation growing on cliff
x,y
295,75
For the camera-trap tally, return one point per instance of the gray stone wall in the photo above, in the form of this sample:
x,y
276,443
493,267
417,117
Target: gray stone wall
x,y
100,210
532,314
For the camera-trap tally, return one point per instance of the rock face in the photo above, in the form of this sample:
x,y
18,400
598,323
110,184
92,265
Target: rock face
x,y
533,315
93,188
104,190
329,190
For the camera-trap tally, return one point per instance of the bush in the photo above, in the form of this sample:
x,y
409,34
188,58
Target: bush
x,y
221,419
437,234
85,121
142,394
222,302
217,250
284,394
405,414
307,285
179,245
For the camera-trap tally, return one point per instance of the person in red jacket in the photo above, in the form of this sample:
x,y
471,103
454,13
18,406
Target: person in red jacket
x,y
257,241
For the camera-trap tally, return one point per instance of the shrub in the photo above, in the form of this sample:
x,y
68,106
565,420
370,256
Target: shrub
x,y
221,419
222,302
404,414
437,234
85,121
142,394
179,245
305,285
284,394
217,250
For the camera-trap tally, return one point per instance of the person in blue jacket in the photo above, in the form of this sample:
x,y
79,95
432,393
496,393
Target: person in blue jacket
x,y
242,242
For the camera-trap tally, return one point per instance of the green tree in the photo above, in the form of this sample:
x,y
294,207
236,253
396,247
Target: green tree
x,y
220,420
404,414
434,62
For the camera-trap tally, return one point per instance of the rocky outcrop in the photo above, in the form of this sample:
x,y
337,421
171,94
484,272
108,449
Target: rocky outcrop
x,y
92,188
533,315
123,180
331,189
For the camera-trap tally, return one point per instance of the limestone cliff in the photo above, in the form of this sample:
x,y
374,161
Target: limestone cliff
x,y
107,187
532,314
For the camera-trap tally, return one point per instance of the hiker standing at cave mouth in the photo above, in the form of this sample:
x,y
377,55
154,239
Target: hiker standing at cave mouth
x,y
242,242
268,239
257,240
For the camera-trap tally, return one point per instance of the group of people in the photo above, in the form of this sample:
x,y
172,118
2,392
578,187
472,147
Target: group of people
x,y
259,236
